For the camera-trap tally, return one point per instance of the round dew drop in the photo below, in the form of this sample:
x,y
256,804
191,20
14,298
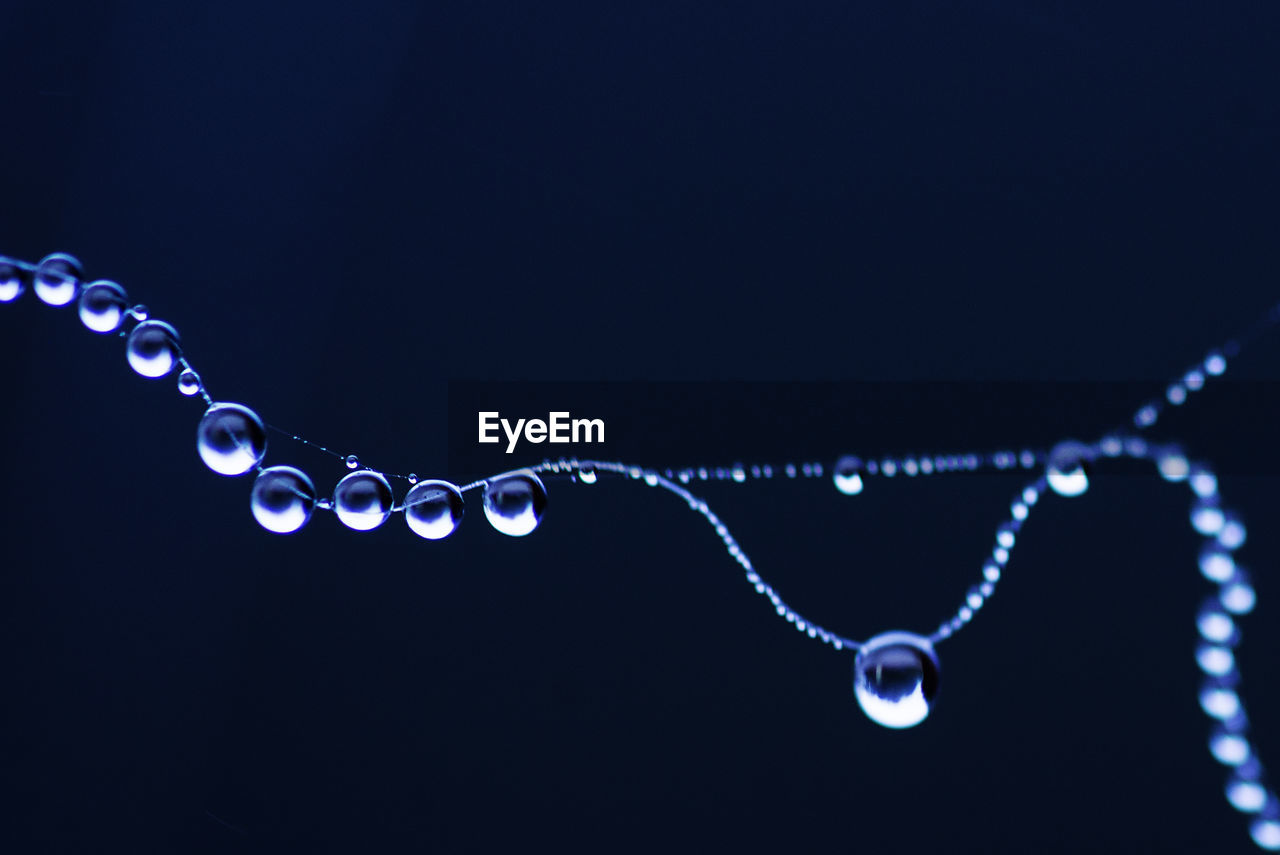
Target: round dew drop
x,y
13,281
362,500
231,439
514,503
433,509
282,499
1066,472
103,306
153,348
895,679
848,475
57,279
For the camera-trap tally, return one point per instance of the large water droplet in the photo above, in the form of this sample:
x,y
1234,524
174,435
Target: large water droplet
x,y
282,499
895,679
56,279
513,503
13,281
433,509
103,306
848,475
231,439
153,348
362,500
1066,470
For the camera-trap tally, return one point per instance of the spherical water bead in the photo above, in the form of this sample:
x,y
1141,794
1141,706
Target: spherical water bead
x,y
103,306
1228,748
153,348
351,461
189,382
1245,794
1066,471
57,278
433,509
1266,833
587,475
282,499
848,475
1238,596
1232,534
362,500
1173,466
1215,660
231,439
1206,517
895,679
1215,625
514,503
1219,700
1203,482
13,281
1216,564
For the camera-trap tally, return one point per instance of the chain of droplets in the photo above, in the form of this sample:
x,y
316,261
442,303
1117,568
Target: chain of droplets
x,y
231,439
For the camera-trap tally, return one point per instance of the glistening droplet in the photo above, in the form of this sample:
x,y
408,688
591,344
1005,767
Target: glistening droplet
x,y
895,679
433,509
231,439
153,348
282,499
514,503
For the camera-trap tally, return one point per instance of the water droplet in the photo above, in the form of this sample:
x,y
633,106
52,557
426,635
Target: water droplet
x,y
514,503
1066,471
1216,564
1266,833
13,281
1173,466
1215,660
587,475
153,348
282,499
102,306
413,479
895,679
56,279
848,475
1215,625
1218,699
1228,748
433,509
1233,533
1246,795
188,382
362,500
139,312
352,461
231,439
1238,596
1206,517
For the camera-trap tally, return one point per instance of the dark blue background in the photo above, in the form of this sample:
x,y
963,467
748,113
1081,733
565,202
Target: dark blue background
x,y
342,207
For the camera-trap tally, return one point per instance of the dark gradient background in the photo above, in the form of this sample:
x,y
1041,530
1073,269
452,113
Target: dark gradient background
x,y
344,207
